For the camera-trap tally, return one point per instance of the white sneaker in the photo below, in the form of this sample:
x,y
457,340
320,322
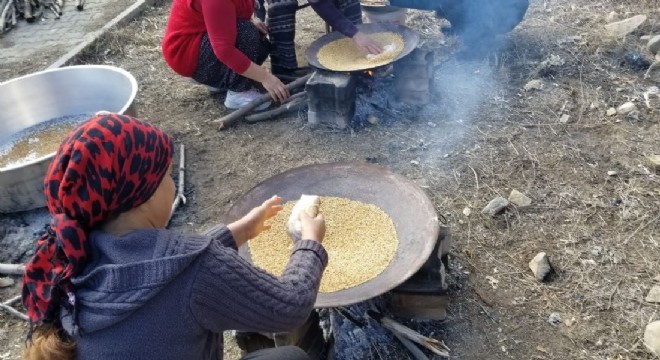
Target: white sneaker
x,y
235,100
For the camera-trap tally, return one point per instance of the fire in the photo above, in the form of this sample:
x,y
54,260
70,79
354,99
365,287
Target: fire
x,y
370,72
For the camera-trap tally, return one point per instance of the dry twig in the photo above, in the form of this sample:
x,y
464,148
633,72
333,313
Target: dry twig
x,y
12,269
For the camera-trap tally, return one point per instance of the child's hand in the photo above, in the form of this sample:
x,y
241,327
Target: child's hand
x,y
313,228
252,224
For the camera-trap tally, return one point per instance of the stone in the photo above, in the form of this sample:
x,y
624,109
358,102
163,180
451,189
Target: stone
x,y
656,278
467,211
625,27
534,85
373,119
495,206
645,37
654,295
565,119
540,266
652,337
611,111
612,173
6,282
626,108
554,319
519,199
612,16
654,162
654,45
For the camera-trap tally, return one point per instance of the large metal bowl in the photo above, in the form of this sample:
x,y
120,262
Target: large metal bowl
x,y
414,216
32,99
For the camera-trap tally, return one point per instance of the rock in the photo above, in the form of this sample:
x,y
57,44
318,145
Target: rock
x,y
654,45
652,337
519,199
467,211
654,295
645,37
611,111
554,319
654,162
495,206
612,16
626,108
612,173
373,119
540,266
414,162
657,278
625,27
6,282
534,85
565,119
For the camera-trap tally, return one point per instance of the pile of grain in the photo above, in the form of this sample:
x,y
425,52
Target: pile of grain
x,y
37,141
345,55
360,239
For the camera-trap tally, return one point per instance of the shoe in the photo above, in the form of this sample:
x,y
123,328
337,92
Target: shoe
x,y
212,90
236,100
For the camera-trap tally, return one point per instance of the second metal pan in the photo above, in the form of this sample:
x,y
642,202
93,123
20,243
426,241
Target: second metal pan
x,y
410,41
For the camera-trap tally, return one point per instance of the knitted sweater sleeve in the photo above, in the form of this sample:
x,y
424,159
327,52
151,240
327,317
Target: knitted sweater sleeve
x,y
230,293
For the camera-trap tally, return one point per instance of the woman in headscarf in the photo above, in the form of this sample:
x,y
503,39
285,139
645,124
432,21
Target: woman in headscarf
x,y
215,43
107,281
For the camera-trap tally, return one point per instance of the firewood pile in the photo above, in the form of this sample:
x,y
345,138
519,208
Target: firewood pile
x,y
11,11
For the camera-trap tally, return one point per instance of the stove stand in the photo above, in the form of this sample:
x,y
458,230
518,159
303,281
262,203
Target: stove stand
x,y
413,77
332,98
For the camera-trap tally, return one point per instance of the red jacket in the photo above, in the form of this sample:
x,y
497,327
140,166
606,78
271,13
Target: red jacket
x,y
191,19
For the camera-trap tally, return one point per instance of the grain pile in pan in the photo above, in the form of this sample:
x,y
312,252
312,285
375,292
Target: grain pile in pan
x,y
360,239
344,54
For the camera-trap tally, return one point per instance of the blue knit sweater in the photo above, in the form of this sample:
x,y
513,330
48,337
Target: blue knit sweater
x,y
155,294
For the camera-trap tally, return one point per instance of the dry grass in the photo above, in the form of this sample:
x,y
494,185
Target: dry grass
x,y
483,137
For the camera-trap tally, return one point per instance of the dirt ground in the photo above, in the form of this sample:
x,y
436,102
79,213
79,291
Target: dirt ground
x,y
483,137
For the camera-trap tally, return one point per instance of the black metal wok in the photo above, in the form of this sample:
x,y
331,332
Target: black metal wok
x,y
410,41
412,212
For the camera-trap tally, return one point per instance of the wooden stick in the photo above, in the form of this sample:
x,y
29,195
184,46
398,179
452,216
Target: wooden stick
x,y
12,269
180,196
414,350
230,119
13,300
437,347
297,104
7,307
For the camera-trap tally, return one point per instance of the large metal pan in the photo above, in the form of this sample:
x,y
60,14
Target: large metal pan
x,y
35,98
410,41
412,212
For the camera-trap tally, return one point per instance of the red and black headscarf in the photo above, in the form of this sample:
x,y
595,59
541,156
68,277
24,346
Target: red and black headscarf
x,y
106,166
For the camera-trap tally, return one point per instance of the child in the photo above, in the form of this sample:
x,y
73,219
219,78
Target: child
x,y
107,281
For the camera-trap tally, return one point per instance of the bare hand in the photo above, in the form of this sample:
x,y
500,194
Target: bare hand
x,y
252,224
313,228
275,88
261,26
366,44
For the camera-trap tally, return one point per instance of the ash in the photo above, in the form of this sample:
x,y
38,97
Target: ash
x,y
19,233
376,102
353,342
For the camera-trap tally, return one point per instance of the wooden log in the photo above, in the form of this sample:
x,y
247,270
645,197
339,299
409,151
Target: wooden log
x,y
294,105
12,269
232,118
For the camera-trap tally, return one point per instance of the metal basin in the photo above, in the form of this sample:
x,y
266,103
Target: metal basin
x,y
32,99
413,214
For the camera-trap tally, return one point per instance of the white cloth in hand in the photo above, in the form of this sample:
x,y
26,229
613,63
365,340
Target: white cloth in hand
x,y
307,203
